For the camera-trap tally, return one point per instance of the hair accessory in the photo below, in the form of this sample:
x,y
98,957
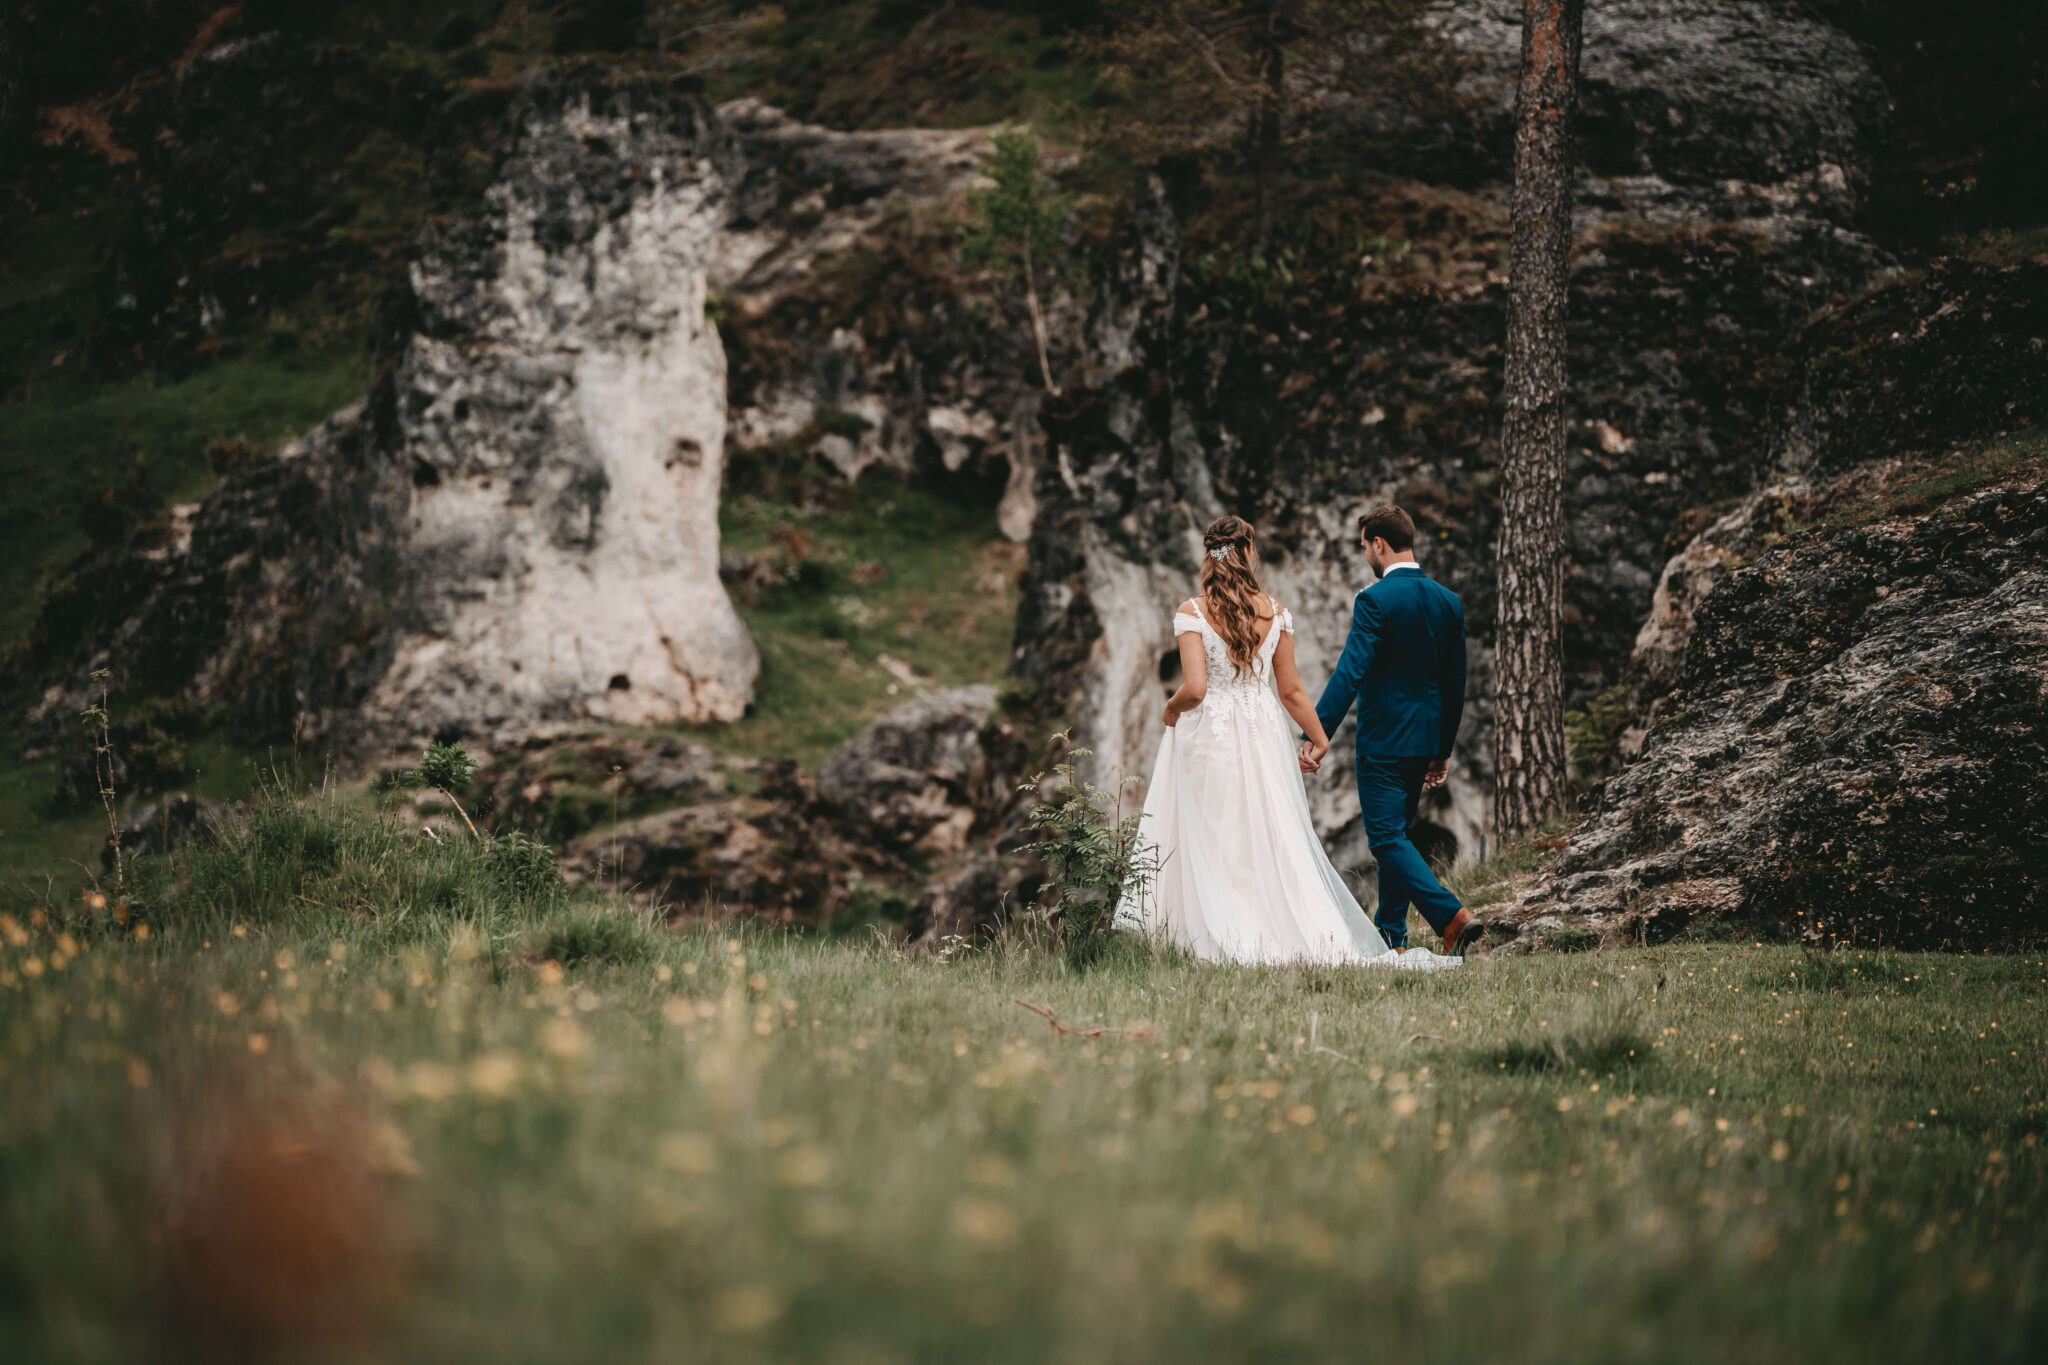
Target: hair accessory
x,y
1220,553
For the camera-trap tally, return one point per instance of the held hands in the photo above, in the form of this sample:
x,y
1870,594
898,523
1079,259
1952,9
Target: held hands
x,y
1311,756
1437,771
1171,716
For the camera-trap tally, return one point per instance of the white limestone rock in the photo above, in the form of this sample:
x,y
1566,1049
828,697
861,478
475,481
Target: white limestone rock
x,y
566,442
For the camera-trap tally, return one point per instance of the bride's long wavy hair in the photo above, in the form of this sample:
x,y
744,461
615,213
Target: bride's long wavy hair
x,y
1230,580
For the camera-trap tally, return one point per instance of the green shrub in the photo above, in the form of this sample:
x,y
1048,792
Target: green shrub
x,y
1571,940
290,860
447,766
524,867
1708,931
602,937
572,811
1592,735
838,423
867,906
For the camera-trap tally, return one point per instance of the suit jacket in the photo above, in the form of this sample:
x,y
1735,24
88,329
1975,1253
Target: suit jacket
x,y
1404,663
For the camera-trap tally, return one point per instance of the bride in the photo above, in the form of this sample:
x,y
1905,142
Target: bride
x,y
1242,876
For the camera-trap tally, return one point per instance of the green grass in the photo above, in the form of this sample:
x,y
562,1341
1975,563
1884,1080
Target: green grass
x,y
1493,877
339,1101
946,609
1999,246
1961,472
59,452
35,847
883,65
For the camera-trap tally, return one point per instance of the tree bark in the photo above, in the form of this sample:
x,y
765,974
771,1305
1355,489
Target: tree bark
x,y
1531,782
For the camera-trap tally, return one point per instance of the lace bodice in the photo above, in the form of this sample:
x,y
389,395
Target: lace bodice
x,y
1232,694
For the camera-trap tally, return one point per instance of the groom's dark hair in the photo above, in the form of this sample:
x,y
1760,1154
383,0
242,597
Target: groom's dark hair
x,y
1390,524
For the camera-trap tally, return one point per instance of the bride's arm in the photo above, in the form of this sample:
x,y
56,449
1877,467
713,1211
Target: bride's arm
x,y
1194,678
1294,697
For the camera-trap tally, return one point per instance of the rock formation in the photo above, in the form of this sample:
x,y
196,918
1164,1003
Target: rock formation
x,y
517,531
1295,398
855,341
1697,111
560,415
514,537
759,836
1849,737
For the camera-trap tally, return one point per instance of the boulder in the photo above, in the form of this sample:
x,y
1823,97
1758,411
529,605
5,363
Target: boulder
x,y
561,413
919,775
1857,751
1736,538
1847,729
779,853
972,899
1893,381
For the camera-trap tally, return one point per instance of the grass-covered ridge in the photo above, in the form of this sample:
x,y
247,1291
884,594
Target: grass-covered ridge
x,y
88,466
361,1087
856,597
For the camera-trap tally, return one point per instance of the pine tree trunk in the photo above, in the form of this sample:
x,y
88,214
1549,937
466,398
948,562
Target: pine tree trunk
x,y
1531,776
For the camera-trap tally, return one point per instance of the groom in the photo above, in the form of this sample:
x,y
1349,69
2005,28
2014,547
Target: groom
x,y
1404,662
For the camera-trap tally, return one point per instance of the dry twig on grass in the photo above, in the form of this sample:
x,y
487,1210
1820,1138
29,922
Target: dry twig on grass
x,y
1315,1029
1060,1030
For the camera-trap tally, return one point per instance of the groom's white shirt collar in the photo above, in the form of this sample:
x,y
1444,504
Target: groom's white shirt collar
x,y
1404,564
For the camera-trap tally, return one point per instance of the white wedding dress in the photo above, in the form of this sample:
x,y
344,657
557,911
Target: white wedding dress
x,y
1242,876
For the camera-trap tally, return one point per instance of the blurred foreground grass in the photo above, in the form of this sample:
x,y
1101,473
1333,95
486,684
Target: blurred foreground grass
x,y
362,1095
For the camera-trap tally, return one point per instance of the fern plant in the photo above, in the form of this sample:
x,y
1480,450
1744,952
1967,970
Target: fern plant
x,y
1094,857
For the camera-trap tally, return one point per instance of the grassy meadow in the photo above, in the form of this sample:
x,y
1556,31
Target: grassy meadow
x,y
339,1091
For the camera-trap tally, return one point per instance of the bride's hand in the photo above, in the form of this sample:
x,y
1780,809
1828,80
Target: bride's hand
x,y
1311,756
1171,716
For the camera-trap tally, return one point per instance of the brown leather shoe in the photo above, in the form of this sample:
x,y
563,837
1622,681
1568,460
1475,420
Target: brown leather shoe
x,y
1461,933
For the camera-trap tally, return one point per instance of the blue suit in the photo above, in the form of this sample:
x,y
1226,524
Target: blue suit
x,y
1404,664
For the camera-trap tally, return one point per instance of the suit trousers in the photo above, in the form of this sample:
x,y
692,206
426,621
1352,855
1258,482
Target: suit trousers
x,y
1389,794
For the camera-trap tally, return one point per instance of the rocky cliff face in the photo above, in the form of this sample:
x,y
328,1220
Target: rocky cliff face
x,y
1849,738
516,533
517,530
853,339
1698,110
1367,368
